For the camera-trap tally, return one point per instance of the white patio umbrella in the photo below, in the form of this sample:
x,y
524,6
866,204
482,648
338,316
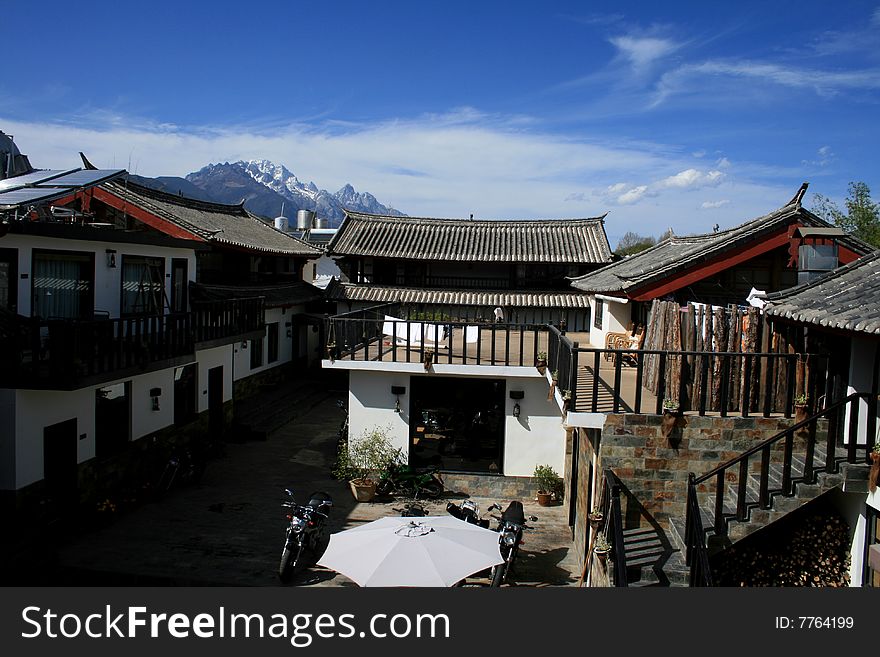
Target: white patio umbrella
x,y
425,551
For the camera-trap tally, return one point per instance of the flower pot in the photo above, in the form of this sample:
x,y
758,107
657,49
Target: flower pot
x,y
363,490
541,364
667,423
800,413
545,499
596,520
601,554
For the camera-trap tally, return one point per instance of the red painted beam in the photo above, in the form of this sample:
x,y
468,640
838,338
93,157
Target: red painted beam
x,y
162,225
706,269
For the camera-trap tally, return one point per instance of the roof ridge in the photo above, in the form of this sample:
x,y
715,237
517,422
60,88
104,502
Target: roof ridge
x,y
408,218
179,199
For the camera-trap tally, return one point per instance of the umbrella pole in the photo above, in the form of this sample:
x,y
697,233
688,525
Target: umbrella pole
x,y
588,562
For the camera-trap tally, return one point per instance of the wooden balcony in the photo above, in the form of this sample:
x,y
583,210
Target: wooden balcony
x,y
66,354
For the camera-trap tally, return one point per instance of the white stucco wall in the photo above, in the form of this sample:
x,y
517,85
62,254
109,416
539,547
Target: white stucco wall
x,y
615,319
371,404
107,279
537,437
209,359
285,345
861,379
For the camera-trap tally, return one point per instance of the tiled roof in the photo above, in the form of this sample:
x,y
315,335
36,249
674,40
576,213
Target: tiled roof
x,y
847,298
337,291
229,225
574,241
679,253
277,295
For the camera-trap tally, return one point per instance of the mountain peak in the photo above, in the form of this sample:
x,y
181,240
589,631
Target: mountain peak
x,y
266,185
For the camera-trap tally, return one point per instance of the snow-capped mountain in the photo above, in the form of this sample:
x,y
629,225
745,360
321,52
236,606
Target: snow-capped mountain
x,y
264,186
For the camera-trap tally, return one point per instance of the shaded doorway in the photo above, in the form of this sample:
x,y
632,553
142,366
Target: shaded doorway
x,y
59,463
215,403
457,424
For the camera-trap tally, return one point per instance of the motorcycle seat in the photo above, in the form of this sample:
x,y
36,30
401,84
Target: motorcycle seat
x,y
320,501
514,513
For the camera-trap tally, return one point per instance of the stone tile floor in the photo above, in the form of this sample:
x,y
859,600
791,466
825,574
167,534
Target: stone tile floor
x,y
228,530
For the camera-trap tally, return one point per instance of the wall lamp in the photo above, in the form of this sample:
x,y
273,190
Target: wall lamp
x,y
517,395
111,258
398,391
155,393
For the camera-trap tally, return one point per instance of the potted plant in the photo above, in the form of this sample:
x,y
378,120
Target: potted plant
x,y
874,474
671,414
554,380
596,517
800,408
541,361
566,400
549,484
601,547
360,460
428,359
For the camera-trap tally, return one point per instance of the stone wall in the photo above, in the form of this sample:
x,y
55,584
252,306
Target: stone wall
x,y
654,469
502,489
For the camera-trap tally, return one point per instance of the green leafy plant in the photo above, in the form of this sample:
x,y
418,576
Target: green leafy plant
x,y
566,395
542,355
548,480
670,404
800,400
365,457
876,448
602,544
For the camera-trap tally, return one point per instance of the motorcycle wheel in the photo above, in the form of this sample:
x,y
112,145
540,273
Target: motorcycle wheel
x,y
285,571
385,487
290,564
432,490
498,574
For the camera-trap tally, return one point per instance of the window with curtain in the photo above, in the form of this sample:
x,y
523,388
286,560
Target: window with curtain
x,y
63,285
143,285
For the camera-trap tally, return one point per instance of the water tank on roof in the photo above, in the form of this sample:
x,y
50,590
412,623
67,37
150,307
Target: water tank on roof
x,y
321,222
304,219
281,223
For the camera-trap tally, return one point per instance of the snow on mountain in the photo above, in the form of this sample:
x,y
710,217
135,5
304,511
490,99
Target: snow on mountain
x,y
264,186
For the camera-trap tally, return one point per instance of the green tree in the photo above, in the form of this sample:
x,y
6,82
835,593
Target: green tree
x,y
862,217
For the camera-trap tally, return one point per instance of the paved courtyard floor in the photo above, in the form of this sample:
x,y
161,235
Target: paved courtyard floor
x,y
229,529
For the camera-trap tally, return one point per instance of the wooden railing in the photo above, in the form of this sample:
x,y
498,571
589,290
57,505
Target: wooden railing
x,y
366,335
744,482
60,353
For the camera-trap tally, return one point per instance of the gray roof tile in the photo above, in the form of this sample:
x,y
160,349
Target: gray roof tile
x,y
337,291
847,298
575,241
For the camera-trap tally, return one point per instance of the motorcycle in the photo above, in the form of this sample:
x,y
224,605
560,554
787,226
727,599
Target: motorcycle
x,y
467,511
511,526
307,533
412,482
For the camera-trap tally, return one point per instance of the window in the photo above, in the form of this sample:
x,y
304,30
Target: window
x,y
256,348
8,279
143,285
178,285
600,311
871,577
272,336
63,284
112,418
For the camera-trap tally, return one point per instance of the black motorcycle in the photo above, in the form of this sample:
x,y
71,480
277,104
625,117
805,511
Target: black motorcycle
x,y
307,533
511,526
416,483
468,511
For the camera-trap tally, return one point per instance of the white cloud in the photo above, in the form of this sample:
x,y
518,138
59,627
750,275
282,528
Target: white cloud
x,y
641,52
824,157
714,205
691,179
699,154
824,83
722,163
633,195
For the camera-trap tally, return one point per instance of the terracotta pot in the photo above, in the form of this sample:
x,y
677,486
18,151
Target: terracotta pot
x,y
596,520
602,555
541,364
667,423
363,490
545,499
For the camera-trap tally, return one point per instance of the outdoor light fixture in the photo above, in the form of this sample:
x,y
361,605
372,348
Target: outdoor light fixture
x,y
111,258
517,395
398,391
155,393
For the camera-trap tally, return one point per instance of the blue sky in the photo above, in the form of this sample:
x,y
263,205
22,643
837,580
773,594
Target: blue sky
x,y
669,114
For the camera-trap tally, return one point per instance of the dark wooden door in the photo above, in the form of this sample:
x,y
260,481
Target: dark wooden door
x,y
215,402
59,463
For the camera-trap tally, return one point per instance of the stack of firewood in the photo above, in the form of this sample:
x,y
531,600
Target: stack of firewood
x,y
816,553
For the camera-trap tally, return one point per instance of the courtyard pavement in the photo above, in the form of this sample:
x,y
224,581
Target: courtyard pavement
x,y
229,529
